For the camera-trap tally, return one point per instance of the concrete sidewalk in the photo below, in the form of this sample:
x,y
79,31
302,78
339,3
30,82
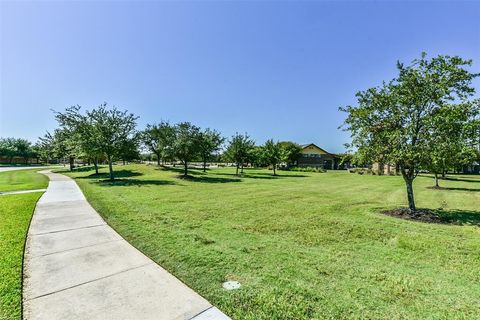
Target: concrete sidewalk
x,y
77,267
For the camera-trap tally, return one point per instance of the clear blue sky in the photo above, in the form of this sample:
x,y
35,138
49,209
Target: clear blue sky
x,y
272,69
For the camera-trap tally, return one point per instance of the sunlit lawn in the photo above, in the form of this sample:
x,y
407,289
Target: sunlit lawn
x,y
22,180
15,214
303,245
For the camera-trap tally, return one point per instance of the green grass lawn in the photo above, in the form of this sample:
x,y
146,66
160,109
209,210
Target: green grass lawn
x,y
22,180
15,214
303,245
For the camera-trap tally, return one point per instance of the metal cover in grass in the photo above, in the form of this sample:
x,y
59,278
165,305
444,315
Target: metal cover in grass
x,y
231,285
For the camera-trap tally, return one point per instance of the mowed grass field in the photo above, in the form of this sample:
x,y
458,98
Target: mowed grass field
x,y
303,245
15,214
22,180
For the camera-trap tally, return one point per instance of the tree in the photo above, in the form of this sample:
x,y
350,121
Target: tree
x,y
209,143
272,154
346,160
239,150
45,147
158,138
16,147
256,157
129,149
23,149
186,143
69,136
450,141
393,123
112,129
8,148
62,147
291,152
88,140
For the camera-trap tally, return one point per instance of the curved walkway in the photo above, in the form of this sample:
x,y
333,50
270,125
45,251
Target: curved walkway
x,y
77,267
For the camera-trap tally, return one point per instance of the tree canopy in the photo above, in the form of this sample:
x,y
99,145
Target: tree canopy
x,y
186,143
272,154
210,142
239,150
397,122
159,138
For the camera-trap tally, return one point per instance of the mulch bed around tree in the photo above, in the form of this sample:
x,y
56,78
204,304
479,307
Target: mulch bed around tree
x,y
422,215
187,177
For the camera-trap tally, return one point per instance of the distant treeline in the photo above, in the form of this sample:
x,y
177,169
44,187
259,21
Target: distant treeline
x,y
106,134
16,150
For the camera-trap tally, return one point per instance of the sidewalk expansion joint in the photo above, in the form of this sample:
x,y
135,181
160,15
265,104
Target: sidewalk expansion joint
x,y
57,231
73,249
90,281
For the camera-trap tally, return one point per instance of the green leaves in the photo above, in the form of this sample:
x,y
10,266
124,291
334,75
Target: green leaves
x,y
416,119
159,138
239,149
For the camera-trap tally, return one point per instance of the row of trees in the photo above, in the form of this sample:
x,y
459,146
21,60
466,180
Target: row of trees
x,y
424,119
12,148
186,142
106,134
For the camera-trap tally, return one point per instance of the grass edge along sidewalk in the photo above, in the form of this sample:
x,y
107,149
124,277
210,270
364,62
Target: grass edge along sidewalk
x,y
15,215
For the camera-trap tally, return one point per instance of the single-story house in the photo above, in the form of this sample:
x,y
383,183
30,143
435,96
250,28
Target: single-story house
x,y
314,156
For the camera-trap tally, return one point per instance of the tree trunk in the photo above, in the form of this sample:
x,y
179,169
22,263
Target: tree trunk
x,y
443,174
204,165
70,160
241,171
274,170
95,163
185,168
158,159
436,180
237,170
411,199
408,178
110,168
124,163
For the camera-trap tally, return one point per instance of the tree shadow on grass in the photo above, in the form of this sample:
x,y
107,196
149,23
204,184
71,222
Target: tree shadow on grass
x,y
180,169
281,174
116,174
462,179
455,189
133,182
84,168
450,178
207,179
439,216
459,217
197,175
261,175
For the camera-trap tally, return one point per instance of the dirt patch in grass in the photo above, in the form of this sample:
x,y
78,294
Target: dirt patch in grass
x,y
422,215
